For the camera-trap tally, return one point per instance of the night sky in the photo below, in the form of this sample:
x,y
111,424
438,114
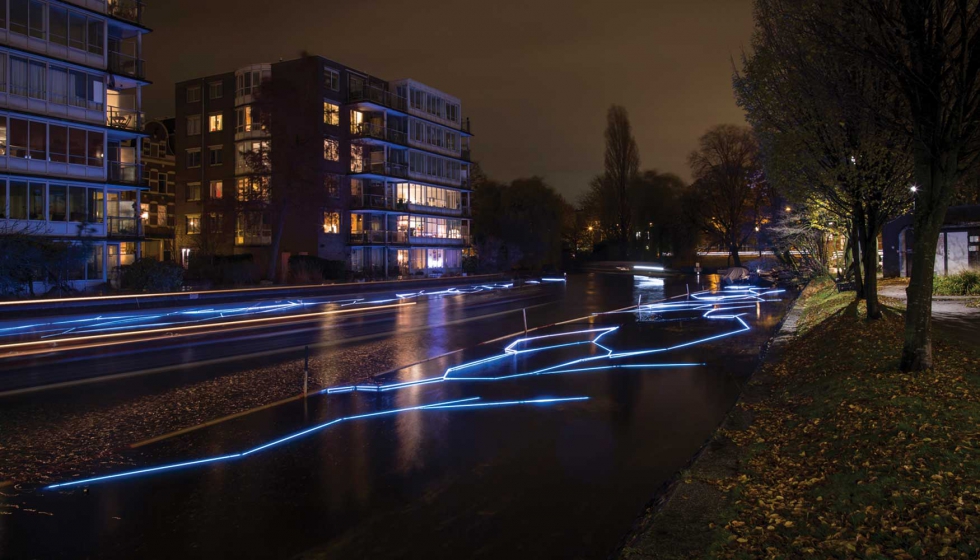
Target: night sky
x,y
535,77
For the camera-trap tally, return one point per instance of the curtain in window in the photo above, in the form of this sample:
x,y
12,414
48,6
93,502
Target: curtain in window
x,y
58,85
37,81
18,76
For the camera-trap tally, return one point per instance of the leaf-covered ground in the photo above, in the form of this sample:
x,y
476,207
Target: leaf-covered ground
x,y
842,455
850,457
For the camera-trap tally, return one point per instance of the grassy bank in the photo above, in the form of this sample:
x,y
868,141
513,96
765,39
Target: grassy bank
x,y
835,453
962,284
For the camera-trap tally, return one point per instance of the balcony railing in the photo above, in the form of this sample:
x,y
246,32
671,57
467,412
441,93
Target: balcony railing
x,y
369,130
465,154
384,168
122,226
125,119
465,125
126,65
125,173
377,95
370,201
129,10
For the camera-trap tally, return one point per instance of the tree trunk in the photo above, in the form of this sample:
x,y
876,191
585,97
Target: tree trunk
x,y
856,260
735,257
867,230
930,212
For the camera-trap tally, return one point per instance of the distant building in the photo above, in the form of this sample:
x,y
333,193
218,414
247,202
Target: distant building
x,y
70,126
157,202
366,171
958,248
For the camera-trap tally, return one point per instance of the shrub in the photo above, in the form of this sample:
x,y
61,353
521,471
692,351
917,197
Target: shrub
x,y
307,269
222,270
470,264
148,275
962,284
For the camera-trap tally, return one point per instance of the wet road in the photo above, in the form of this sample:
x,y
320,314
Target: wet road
x,y
509,479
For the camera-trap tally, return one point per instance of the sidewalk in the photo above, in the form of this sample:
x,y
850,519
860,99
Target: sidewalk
x,y
950,313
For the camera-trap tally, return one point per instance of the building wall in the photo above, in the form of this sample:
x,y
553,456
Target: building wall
x,y
70,112
957,250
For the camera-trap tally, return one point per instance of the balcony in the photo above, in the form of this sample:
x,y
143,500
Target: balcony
x,y
124,119
437,241
384,168
465,125
126,65
122,226
125,173
129,10
465,154
379,96
379,237
368,130
377,201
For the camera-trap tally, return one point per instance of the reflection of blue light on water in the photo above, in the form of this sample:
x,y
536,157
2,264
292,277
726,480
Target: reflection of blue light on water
x,y
445,405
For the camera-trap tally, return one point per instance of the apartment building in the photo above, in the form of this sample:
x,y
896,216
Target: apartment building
x,y
71,76
309,156
157,202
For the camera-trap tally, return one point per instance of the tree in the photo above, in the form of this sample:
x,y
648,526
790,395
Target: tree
x,y
518,225
824,143
609,193
728,185
655,199
931,51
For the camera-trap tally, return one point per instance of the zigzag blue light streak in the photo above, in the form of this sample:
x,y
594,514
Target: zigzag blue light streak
x,y
434,406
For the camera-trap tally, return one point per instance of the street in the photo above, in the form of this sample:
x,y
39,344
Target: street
x,y
370,473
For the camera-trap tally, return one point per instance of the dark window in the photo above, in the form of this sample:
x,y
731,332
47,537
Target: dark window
x,y
76,146
58,20
37,19
95,149
57,143
76,31
95,36
36,209
95,198
194,158
18,16
18,138
57,203
76,204
39,140
18,200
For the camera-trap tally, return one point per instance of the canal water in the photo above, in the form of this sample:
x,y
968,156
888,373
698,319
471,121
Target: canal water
x,y
546,448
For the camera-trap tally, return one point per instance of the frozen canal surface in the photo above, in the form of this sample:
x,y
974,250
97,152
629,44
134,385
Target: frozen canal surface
x,y
490,476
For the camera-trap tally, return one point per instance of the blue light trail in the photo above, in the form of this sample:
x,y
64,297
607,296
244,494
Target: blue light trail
x,y
458,403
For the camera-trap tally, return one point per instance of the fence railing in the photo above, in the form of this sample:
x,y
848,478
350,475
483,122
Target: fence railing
x,y
125,173
122,226
127,65
377,95
125,119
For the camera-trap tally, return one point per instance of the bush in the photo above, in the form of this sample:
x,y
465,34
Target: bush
x,y
307,269
148,275
962,284
470,264
222,270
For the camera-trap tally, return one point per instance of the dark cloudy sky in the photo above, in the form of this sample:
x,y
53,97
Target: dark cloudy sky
x,y
534,76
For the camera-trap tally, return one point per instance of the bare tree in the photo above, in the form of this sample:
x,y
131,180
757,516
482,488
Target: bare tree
x,y
727,185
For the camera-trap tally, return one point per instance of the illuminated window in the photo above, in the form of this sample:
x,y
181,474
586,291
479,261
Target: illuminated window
x,y
331,114
216,190
193,125
193,94
331,149
252,189
331,222
331,79
215,90
215,122
193,224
